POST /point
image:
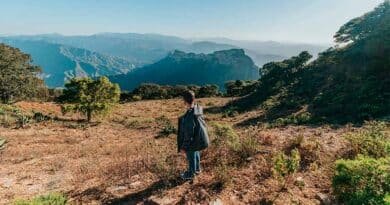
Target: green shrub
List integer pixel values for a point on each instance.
(225, 135)
(230, 112)
(40, 117)
(50, 199)
(362, 181)
(22, 120)
(164, 166)
(370, 141)
(167, 127)
(284, 165)
(249, 146)
(2, 143)
(222, 175)
(136, 123)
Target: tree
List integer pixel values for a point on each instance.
(363, 26)
(208, 91)
(18, 77)
(89, 96)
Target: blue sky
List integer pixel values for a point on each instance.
(312, 21)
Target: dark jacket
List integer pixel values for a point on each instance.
(189, 125)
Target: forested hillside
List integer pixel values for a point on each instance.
(349, 82)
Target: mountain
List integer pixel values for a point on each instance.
(272, 47)
(144, 49)
(60, 62)
(190, 68)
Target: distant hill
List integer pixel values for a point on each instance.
(190, 68)
(60, 62)
(144, 49)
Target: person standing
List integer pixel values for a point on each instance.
(192, 135)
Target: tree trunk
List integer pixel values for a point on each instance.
(89, 115)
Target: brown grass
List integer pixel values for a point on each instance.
(119, 159)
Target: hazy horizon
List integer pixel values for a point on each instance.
(301, 21)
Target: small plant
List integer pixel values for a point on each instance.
(370, 141)
(40, 117)
(249, 146)
(362, 181)
(22, 120)
(222, 175)
(2, 143)
(225, 135)
(230, 112)
(50, 199)
(167, 126)
(285, 165)
(165, 168)
(137, 123)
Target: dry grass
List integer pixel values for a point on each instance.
(120, 158)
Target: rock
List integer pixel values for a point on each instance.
(324, 199)
(135, 184)
(216, 202)
(203, 194)
(160, 201)
(116, 189)
(300, 182)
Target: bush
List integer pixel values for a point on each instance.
(50, 199)
(370, 141)
(165, 168)
(249, 146)
(89, 97)
(222, 175)
(22, 120)
(225, 135)
(285, 165)
(40, 117)
(362, 181)
(166, 125)
(230, 111)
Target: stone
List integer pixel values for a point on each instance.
(160, 201)
(216, 202)
(324, 199)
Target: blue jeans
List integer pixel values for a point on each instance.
(193, 158)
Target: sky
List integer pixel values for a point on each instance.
(310, 21)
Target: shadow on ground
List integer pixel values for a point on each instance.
(141, 196)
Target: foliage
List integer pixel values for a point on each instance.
(167, 127)
(50, 199)
(362, 27)
(284, 165)
(225, 135)
(23, 120)
(346, 83)
(240, 87)
(362, 181)
(2, 143)
(222, 175)
(370, 141)
(149, 91)
(249, 146)
(89, 96)
(189, 68)
(238, 149)
(230, 111)
(18, 77)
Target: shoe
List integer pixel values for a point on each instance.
(187, 176)
(198, 172)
